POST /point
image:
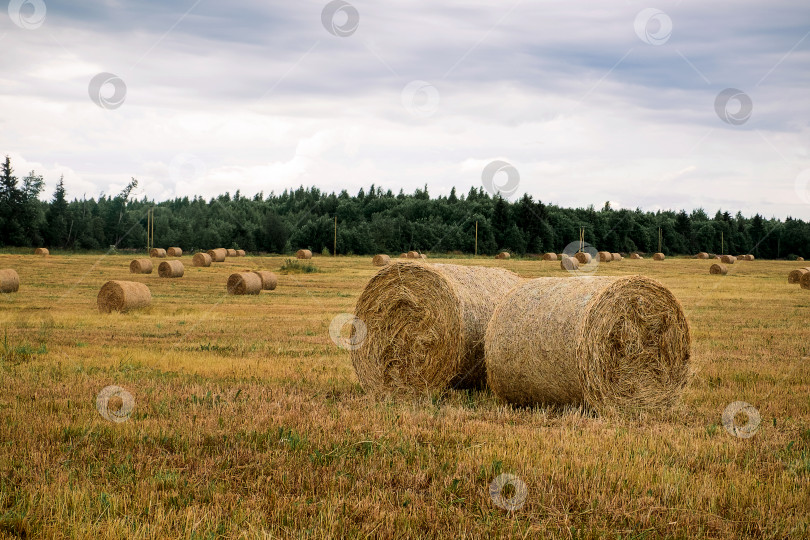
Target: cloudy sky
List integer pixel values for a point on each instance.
(588, 100)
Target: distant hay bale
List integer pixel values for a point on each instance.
(303, 254)
(240, 253)
(174, 252)
(403, 256)
(636, 256)
(413, 255)
(123, 296)
(610, 343)
(425, 326)
(795, 276)
(218, 255)
(702, 255)
(804, 281)
(617, 256)
(159, 253)
(659, 256)
(381, 260)
(42, 251)
(171, 269)
(140, 266)
(718, 269)
(230, 252)
(564, 255)
(9, 281)
(503, 255)
(728, 259)
(269, 279)
(605, 256)
(583, 257)
(800, 259)
(749, 257)
(549, 256)
(422, 256)
(202, 259)
(569, 263)
(244, 283)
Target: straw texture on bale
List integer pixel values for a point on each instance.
(218, 255)
(159, 253)
(583, 257)
(795, 276)
(303, 254)
(174, 252)
(42, 251)
(728, 259)
(241, 253)
(230, 252)
(617, 256)
(202, 259)
(381, 260)
(425, 326)
(659, 256)
(503, 255)
(171, 269)
(244, 283)
(123, 296)
(607, 342)
(9, 281)
(549, 256)
(269, 279)
(604, 256)
(804, 281)
(636, 256)
(141, 266)
(413, 254)
(569, 263)
(702, 255)
(718, 269)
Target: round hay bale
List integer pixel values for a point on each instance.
(303, 254)
(174, 252)
(244, 283)
(218, 255)
(422, 256)
(549, 256)
(659, 256)
(240, 253)
(800, 259)
(605, 256)
(230, 252)
(503, 255)
(636, 257)
(140, 266)
(9, 281)
(42, 251)
(564, 255)
(403, 256)
(202, 259)
(269, 279)
(804, 281)
(381, 260)
(702, 255)
(718, 269)
(749, 257)
(171, 269)
(728, 259)
(425, 326)
(617, 256)
(569, 263)
(413, 254)
(159, 253)
(606, 342)
(123, 296)
(795, 276)
(583, 257)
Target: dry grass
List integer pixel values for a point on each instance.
(249, 421)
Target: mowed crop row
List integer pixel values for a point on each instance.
(248, 418)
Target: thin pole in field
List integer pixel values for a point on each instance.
(476, 238)
(659, 239)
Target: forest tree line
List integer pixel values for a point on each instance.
(374, 221)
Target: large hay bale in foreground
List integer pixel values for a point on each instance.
(702, 255)
(425, 326)
(244, 283)
(569, 263)
(659, 256)
(230, 252)
(141, 266)
(606, 342)
(42, 251)
(728, 259)
(617, 257)
(202, 259)
(604, 256)
(804, 281)
(171, 269)
(583, 257)
(503, 255)
(549, 256)
(269, 279)
(218, 255)
(718, 269)
(9, 281)
(636, 257)
(123, 296)
(174, 252)
(303, 254)
(159, 253)
(381, 260)
(796, 275)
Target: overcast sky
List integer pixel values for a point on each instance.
(588, 100)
